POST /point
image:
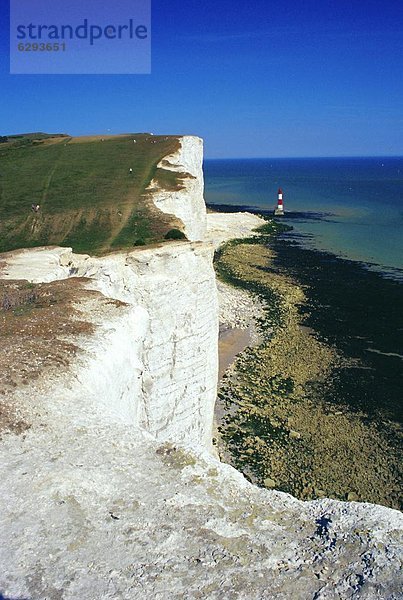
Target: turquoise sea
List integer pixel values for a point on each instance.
(352, 207)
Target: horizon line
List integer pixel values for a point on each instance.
(308, 156)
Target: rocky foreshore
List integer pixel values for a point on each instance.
(276, 426)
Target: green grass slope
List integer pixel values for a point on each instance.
(88, 198)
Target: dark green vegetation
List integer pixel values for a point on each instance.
(175, 234)
(87, 196)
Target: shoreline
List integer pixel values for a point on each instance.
(302, 239)
(278, 426)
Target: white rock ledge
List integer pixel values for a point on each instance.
(222, 227)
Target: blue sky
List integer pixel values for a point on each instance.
(291, 78)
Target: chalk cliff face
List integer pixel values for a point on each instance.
(177, 372)
(113, 491)
(186, 203)
(161, 376)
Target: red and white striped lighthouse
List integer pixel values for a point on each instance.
(279, 211)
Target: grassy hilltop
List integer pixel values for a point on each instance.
(88, 198)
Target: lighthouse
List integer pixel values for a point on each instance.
(279, 211)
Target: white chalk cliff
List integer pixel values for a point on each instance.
(114, 491)
(186, 203)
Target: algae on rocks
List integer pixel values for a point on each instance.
(276, 427)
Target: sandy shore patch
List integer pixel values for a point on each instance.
(231, 343)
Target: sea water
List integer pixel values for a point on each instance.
(352, 207)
